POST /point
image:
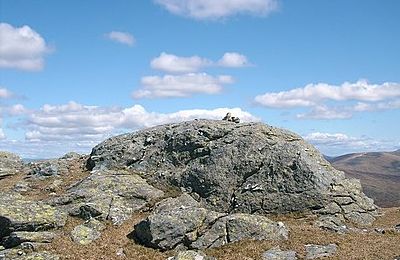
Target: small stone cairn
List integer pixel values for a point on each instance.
(230, 118)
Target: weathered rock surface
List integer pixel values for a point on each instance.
(20, 214)
(108, 195)
(182, 223)
(277, 254)
(88, 232)
(10, 164)
(247, 168)
(318, 251)
(191, 255)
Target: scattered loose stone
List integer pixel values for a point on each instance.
(22, 186)
(317, 251)
(120, 252)
(88, 232)
(277, 254)
(191, 255)
(380, 230)
(397, 227)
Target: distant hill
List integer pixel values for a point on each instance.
(379, 173)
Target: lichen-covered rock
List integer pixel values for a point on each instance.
(88, 232)
(182, 223)
(277, 254)
(109, 195)
(246, 168)
(19, 237)
(191, 255)
(10, 164)
(318, 251)
(20, 214)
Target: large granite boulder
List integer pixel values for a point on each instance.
(182, 223)
(10, 164)
(238, 168)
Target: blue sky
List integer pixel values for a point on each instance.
(74, 72)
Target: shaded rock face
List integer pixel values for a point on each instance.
(178, 223)
(108, 195)
(10, 164)
(246, 168)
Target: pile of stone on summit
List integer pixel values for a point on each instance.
(202, 183)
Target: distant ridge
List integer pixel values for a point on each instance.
(379, 173)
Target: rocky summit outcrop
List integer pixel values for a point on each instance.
(182, 223)
(238, 168)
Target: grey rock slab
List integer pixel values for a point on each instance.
(318, 251)
(191, 255)
(236, 168)
(175, 225)
(109, 195)
(277, 254)
(19, 214)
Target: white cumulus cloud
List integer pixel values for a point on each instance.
(340, 143)
(234, 60)
(369, 97)
(21, 48)
(121, 37)
(173, 64)
(215, 9)
(2, 135)
(181, 85)
(177, 64)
